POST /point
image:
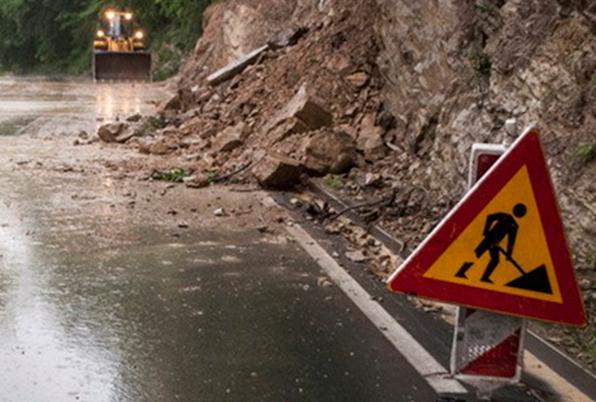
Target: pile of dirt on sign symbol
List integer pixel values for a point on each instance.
(384, 99)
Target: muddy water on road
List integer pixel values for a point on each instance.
(42, 106)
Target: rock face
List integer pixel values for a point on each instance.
(277, 171)
(235, 28)
(465, 70)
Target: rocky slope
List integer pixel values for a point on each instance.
(390, 96)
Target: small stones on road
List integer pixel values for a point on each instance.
(134, 118)
(196, 181)
(356, 256)
(324, 282)
(110, 132)
(219, 212)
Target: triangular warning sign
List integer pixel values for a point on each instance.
(502, 248)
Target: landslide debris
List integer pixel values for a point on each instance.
(387, 98)
(305, 101)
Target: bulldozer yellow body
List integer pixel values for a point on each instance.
(119, 49)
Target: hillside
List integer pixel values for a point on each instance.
(389, 97)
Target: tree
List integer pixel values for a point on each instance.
(56, 35)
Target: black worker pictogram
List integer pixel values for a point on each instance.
(498, 227)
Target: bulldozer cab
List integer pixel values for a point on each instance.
(119, 49)
(119, 26)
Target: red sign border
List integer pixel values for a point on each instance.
(409, 279)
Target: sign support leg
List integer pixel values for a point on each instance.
(487, 349)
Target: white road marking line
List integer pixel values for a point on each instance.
(406, 345)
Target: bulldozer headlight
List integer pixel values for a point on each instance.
(110, 14)
(101, 34)
(139, 35)
(128, 16)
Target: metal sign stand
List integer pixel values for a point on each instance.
(487, 349)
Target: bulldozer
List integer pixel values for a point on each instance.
(119, 49)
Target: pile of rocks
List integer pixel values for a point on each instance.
(307, 102)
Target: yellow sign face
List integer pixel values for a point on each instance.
(504, 248)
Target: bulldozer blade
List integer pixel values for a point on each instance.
(133, 66)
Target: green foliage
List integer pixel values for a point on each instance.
(333, 181)
(168, 61)
(481, 64)
(175, 175)
(586, 153)
(486, 8)
(56, 35)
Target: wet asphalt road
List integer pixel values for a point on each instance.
(98, 303)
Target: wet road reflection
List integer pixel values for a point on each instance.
(22, 101)
(99, 301)
(93, 310)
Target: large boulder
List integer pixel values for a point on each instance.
(230, 138)
(305, 110)
(330, 152)
(277, 171)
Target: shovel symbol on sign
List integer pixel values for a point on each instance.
(536, 279)
(497, 227)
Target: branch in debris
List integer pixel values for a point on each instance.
(379, 204)
(233, 173)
